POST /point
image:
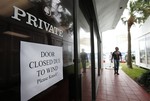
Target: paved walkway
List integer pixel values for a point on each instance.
(113, 87)
(119, 88)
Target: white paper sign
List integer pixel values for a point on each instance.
(41, 67)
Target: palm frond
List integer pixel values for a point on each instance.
(139, 10)
(142, 8)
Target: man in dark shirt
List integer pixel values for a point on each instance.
(84, 59)
(117, 56)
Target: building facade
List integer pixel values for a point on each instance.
(40, 47)
(143, 47)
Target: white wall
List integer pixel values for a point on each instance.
(140, 33)
(145, 28)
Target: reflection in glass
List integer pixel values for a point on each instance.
(142, 51)
(148, 48)
(36, 19)
(86, 77)
(55, 10)
(96, 54)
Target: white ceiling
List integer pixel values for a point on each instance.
(108, 16)
(109, 13)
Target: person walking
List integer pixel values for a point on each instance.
(117, 56)
(84, 59)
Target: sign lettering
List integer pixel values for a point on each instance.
(36, 22)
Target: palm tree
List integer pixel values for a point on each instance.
(139, 11)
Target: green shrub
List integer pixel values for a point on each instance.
(144, 79)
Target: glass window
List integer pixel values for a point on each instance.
(96, 54)
(85, 53)
(142, 51)
(40, 21)
(148, 48)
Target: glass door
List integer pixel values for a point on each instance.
(85, 57)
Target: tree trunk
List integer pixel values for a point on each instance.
(129, 57)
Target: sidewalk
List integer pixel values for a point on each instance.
(119, 88)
